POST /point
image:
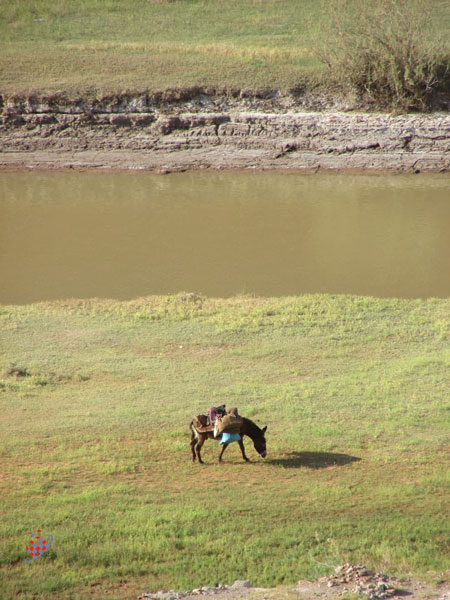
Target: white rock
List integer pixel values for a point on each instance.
(240, 583)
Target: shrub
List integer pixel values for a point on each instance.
(383, 49)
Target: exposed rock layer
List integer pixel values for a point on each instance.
(144, 133)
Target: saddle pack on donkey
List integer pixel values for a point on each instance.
(223, 420)
(225, 424)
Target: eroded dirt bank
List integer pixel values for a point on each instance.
(201, 130)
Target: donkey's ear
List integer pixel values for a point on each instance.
(264, 429)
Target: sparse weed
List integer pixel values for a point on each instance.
(383, 49)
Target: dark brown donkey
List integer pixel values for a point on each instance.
(247, 428)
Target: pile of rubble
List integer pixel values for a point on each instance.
(360, 580)
(173, 595)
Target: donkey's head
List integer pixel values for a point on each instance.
(259, 442)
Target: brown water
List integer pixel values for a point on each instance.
(125, 235)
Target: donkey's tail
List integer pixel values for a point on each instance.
(193, 434)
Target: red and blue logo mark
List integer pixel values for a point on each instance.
(38, 546)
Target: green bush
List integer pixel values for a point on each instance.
(386, 50)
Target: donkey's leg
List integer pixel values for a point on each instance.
(241, 446)
(201, 441)
(194, 440)
(224, 447)
(192, 444)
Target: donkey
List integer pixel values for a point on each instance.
(198, 438)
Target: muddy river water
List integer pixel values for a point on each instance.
(123, 235)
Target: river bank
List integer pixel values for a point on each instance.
(197, 128)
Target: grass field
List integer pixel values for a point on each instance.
(113, 45)
(96, 397)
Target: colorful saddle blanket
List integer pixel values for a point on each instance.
(216, 411)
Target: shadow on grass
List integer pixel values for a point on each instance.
(313, 460)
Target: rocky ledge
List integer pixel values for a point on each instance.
(136, 133)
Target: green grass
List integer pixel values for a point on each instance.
(95, 441)
(113, 45)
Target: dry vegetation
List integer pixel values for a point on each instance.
(382, 49)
